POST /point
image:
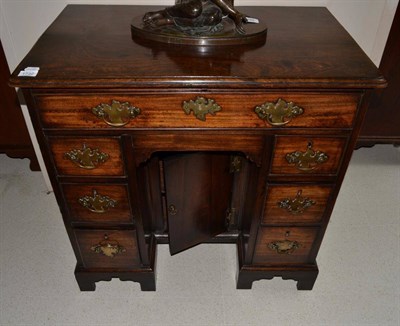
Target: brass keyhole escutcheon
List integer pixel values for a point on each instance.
(201, 106)
(172, 210)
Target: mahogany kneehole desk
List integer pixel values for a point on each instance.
(150, 143)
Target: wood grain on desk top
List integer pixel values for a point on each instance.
(91, 46)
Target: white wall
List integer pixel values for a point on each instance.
(23, 21)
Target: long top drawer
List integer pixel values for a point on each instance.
(197, 110)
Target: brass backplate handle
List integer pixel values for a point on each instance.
(278, 113)
(116, 114)
(107, 247)
(201, 106)
(86, 158)
(284, 247)
(97, 203)
(308, 160)
(296, 205)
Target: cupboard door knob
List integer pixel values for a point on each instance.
(117, 114)
(308, 160)
(86, 158)
(107, 247)
(201, 107)
(97, 203)
(278, 113)
(172, 210)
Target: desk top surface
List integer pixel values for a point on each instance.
(90, 46)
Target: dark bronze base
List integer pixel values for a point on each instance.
(255, 34)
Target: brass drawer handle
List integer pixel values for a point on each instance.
(86, 158)
(201, 107)
(279, 113)
(97, 203)
(284, 247)
(308, 160)
(107, 247)
(296, 205)
(117, 114)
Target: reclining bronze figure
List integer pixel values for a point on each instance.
(197, 17)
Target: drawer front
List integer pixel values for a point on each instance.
(198, 110)
(307, 155)
(87, 156)
(108, 248)
(295, 204)
(98, 203)
(251, 145)
(284, 245)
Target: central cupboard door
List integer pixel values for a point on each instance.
(198, 192)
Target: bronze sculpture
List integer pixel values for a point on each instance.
(197, 17)
(200, 23)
